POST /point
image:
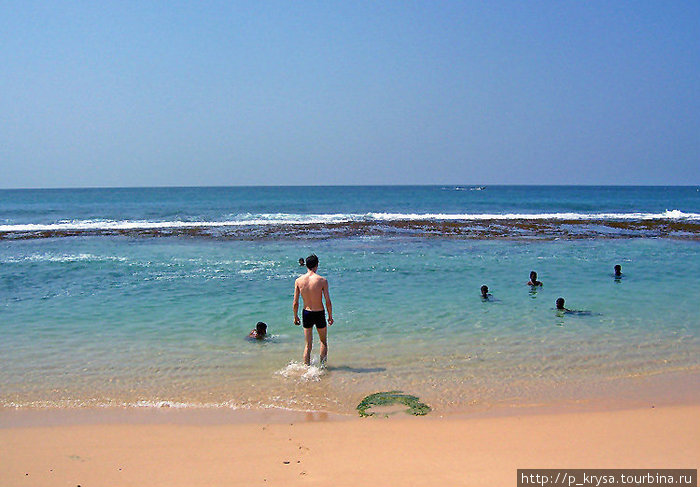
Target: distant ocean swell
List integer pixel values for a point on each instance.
(673, 223)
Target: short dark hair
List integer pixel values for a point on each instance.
(617, 267)
(312, 261)
(560, 302)
(484, 289)
(261, 327)
(533, 274)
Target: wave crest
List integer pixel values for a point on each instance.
(271, 219)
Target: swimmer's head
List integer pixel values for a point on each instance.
(533, 276)
(618, 270)
(560, 303)
(261, 329)
(312, 262)
(484, 290)
(301, 261)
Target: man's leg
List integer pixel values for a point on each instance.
(322, 334)
(309, 336)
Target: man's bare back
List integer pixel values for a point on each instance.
(313, 289)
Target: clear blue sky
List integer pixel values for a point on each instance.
(249, 93)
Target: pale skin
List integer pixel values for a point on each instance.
(314, 291)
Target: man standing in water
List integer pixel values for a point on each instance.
(313, 289)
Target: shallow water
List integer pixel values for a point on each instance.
(144, 321)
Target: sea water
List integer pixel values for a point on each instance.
(144, 297)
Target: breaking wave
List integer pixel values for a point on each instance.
(270, 219)
(674, 223)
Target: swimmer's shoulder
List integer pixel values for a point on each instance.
(316, 279)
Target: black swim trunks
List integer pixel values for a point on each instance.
(311, 318)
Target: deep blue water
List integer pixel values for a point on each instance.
(221, 204)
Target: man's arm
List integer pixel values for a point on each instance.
(295, 305)
(329, 306)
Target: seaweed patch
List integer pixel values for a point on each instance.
(390, 398)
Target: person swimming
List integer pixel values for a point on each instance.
(260, 331)
(301, 261)
(485, 292)
(560, 307)
(533, 279)
(618, 270)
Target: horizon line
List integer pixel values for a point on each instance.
(60, 188)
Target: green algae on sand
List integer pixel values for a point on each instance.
(390, 398)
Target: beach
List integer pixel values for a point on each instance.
(125, 358)
(349, 243)
(318, 450)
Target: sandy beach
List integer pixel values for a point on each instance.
(320, 450)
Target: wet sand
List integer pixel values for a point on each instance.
(267, 448)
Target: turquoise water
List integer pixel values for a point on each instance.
(109, 320)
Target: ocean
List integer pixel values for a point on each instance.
(144, 297)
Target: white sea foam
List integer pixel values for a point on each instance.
(252, 266)
(164, 404)
(276, 402)
(303, 373)
(47, 257)
(668, 214)
(114, 225)
(267, 219)
(263, 263)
